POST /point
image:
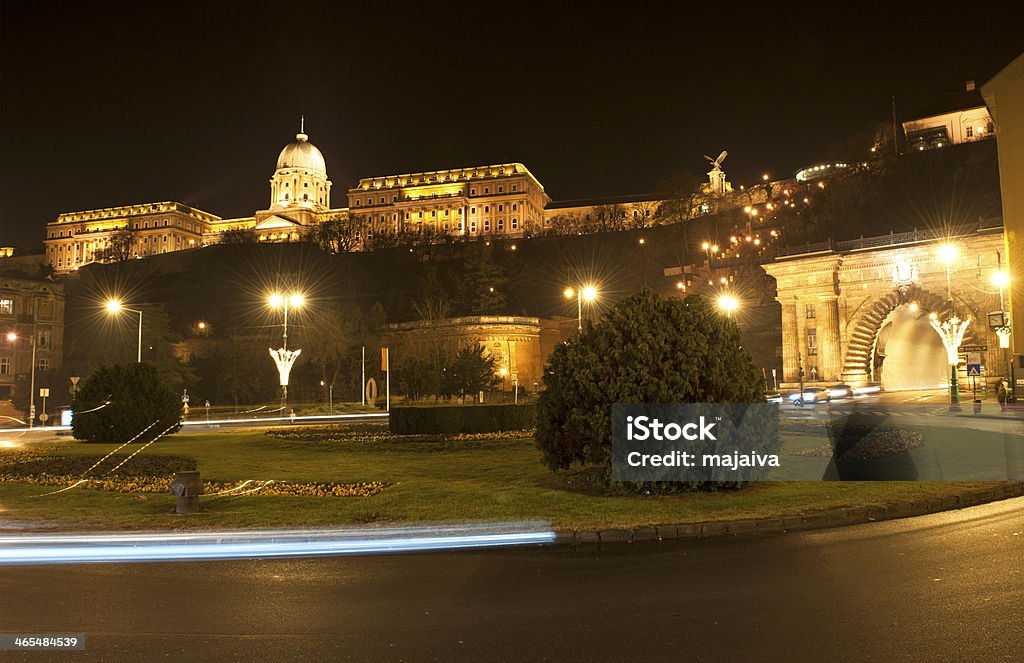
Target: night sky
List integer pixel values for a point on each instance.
(115, 103)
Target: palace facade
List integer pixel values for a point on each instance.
(500, 200)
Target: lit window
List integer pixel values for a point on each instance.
(43, 365)
(6, 306)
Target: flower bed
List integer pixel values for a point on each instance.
(153, 474)
(380, 434)
(874, 445)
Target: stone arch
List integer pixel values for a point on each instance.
(864, 329)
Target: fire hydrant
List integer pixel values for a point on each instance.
(186, 487)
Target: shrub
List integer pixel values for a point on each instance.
(118, 402)
(647, 349)
(456, 420)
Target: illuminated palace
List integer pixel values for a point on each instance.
(503, 200)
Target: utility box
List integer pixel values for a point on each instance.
(186, 488)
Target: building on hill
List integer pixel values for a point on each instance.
(961, 118)
(501, 200)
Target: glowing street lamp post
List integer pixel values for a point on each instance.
(952, 334)
(588, 293)
(728, 303)
(12, 337)
(952, 330)
(114, 307)
(284, 358)
(1002, 281)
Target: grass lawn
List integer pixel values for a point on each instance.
(432, 482)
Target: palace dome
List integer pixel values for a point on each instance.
(302, 154)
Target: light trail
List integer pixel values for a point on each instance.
(265, 544)
(203, 422)
(120, 447)
(77, 483)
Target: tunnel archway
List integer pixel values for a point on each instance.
(908, 353)
(893, 333)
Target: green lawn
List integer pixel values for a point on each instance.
(432, 482)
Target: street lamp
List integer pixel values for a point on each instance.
(728, 303)
(12, 337)
(952, 334)
(948, 254)
(283, 357)
(114, 307)
(1002, 281)
(586, 293)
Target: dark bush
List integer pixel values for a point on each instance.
(455, 419)
(118, 402)
(647, 349)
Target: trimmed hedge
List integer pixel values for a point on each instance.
(457, 420)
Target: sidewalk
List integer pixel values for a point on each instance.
(819, 520)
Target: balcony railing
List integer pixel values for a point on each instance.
(892, 239)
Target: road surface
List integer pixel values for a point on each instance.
(945, 587)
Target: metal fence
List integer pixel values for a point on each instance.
(892, 239)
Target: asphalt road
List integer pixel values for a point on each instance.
(946, 587)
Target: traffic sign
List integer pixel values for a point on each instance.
(973, 369)
(973, 348)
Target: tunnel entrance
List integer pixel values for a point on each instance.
(908, 353)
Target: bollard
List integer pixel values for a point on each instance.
(186, 487)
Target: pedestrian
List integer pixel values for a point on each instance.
(1001, 395)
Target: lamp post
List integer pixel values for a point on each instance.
(283, 357)
(728, 303)
(952, 333)
(12, 338)
(586, 293)
(1002, 281)
(114, 307)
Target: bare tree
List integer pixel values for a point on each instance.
(120, 247)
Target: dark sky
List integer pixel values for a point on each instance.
(113, 103)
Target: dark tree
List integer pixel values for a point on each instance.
(647, 349)
(483, 283)
(337, 235)
(238, 236)
(120, 247)
(121, 401)
(473, 370)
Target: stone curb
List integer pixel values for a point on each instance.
(821, 519)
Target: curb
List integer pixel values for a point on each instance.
(840, 517)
